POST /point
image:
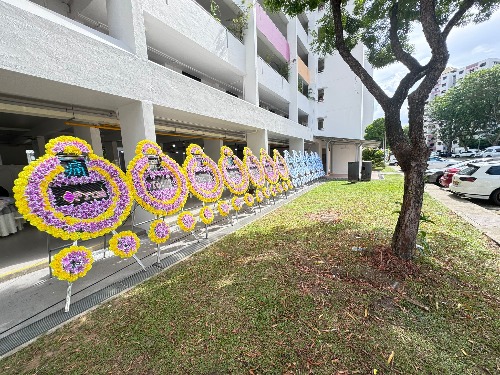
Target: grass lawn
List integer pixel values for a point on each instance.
(288, 294)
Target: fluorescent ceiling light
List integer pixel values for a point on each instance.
(15, 129)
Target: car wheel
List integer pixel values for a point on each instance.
(438, 181)
(495, 197)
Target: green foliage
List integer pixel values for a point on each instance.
(375, 156)
(214, 10)
(376, 130)
(239, 24)
(470, 109)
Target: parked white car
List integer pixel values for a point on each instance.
(470, 153)
(490, 152)
(478, 180)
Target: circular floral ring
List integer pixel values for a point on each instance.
(249, 199)
(254, 167)
(207, 215)
(266, 192)
(159, 232)
(270, 170)
(124, 244)
(71, 193)
(259, 196)
(203, 176)
(223, 208)
(234, 173)
(71, 263)
(279, 188)
(290, 185)
(186, 221)
(158, 183)
(281, 165)
(237, 203)
(272, 190)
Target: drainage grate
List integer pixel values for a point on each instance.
(43, 325)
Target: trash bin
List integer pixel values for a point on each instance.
(366, 171)
(353, 171)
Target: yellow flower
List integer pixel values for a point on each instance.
(124, 244)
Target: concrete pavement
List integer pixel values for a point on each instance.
(486, 221)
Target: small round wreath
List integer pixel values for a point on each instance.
(203, 175)
(254, 167)
(270, 170)
(259, 196)
(290, 185)
(158, 183)
(186, 221)
(237, 203)
(234, 173)
(249, 199)
(279, 188)
(272, 190)
(124, 244)
(159, 232)
(223, 208)
(71, 263)
(266, 192)
(207, 215)
(71, 193)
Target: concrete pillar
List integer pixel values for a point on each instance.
(92, 136)
(40, 144)
(329, 158)
(250, 81)
(126, 23)
(318, 147)
(212, 148)
(137, 124)
(257, 140)
(296, 144)
(293, 108)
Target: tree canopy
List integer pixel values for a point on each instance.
(376, 130)
(471, 109)
(384, 27)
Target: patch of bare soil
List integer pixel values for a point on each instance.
(329, 217)
(382, 259)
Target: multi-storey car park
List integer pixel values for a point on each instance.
(221, 72)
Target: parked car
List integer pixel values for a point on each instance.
(445, 154)
(470, 153)
(393, 160)
(490, 152)
(448, 173)
(436, 162)
(478, 180)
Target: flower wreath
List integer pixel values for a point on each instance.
(207, 215)
(281, 165)
(186, 221)
(279, 188)
(284, 185)
(266, 192)
(203, 176)
(158, 183)
(71, 263)
(237, 203)
(249, 199)
(270, 170)
(272, 190)
(233, 170)
(223, 207)
(290, 185)
(254, 167)
(259, 196)
(71, 193)
(159, 232)
(124, 244)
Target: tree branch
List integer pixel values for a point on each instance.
(408, 60)
(354, 64)
(464, 7)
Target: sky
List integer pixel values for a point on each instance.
(466, 45)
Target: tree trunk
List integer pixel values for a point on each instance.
(404, 239)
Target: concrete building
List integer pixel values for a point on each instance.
(179, 71)
(449, 78)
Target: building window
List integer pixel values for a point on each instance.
(482, 64)
(461, 72)
(321, 95)
(321, 65)
(191, 76)
(231, 93)
(320, 123)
